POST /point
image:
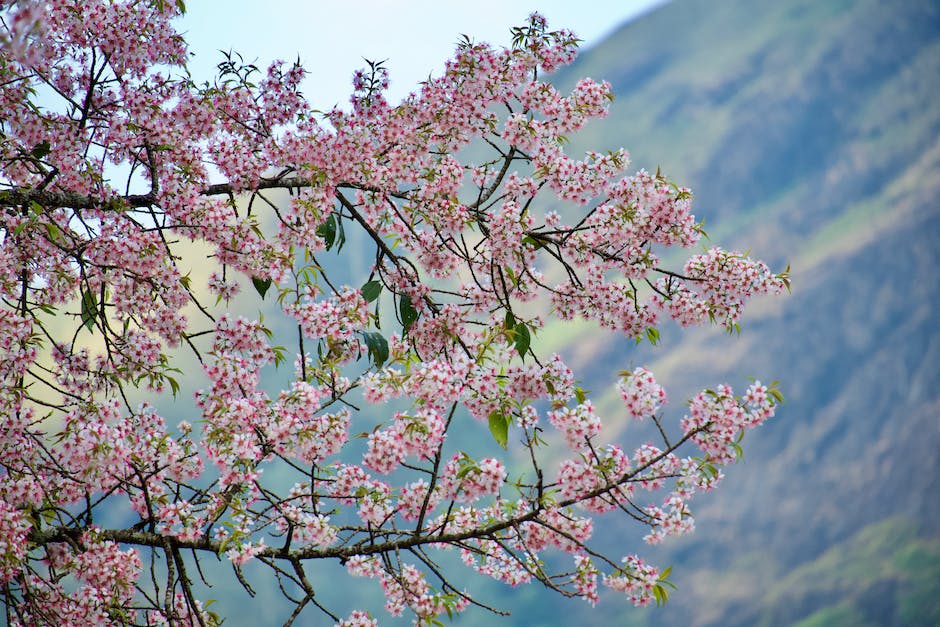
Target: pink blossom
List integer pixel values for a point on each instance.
(134, 198)
(13, 530)
(640, 392)
(358, 618)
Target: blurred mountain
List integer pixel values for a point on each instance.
(810, 133)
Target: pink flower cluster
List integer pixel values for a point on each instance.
(466, 480)
(90, 579)
(107, 570)
(635, 579)
(354, 485)
(337, 318)
(596, 474)
(420, 435)
(559, 529)
(722, 282)
(13, 530)
(640, 392)
(490, 558)
(244, 552)
(718, 418)
(405, 588)
(578, 424)
(119, 175)
(416, 497)
(358, 618)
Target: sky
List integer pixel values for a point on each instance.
(414, 36)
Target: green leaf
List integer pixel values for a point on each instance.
(341, 235)
(523, 339)
(174, 385)
(580, 395)
(89, 309)
(327, 231)
(499, 427)
(531, 241)
(279, 355)
(465, 465)
(41, 149)
(261, 285)
(774, 391)
(407, 312)
(371, 290)
(55, 234)
(652, 334)
(377, 346)
(660, 594)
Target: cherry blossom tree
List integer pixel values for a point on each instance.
(119, 173)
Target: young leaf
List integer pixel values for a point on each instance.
(89, 309)
(327, 230)
(340, 235)
(465, 466)
(371, 290)
(580, 395)
(528, 240)
(55, 234)
(174, 385)
(41, 149)
(499, 427)
(261, 285)
(377, 346)
(522, 338)
(407, 312)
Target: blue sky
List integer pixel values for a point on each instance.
(415, 36)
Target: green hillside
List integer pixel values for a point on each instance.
(883, 562)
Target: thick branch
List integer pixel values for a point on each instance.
(19, 196)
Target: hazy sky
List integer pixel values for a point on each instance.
(415, 36)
